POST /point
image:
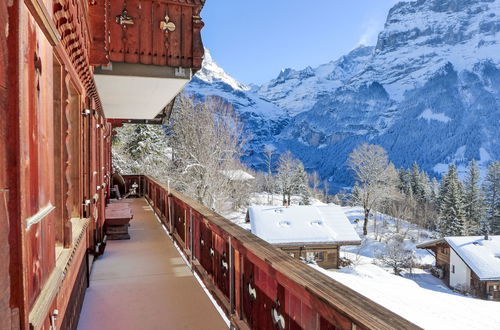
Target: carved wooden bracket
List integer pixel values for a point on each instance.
(123, 19)
(167, 26)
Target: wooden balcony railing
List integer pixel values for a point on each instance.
(257, 285)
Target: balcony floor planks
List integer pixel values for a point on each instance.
(143, 283)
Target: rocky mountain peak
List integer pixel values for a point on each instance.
(211, 72)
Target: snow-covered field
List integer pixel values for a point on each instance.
(419, 297)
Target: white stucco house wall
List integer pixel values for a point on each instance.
(459, 272)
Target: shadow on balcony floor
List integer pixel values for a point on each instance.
(143, 283)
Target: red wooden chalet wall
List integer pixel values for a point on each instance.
(5, 279)
(53, 159)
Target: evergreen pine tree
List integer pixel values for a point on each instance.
(434, 190)
(146, 149)
(404, 181)
(492, 197)
(451, 220)
(302, 184)
(356, 195)
(416, 186)
(473, 201)
(425, 187)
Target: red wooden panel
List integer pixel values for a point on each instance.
(186, 26)
(206, 260)
(179, 220)
(257, 311)
(187, 227)
(248, 300)
(221, 264)
(132, 35)
(146, 33)
(196, 223)
(173, 38)
(159, 49)
(116, 43)
(293, 308)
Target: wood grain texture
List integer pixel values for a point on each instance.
(144, 41)
(5, 310)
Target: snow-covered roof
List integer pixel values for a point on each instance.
(482, 256)
(238, 175)
(311, 224)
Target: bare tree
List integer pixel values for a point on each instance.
(370, 165)
(205, 153)
(292, 178)
(314, 181)
(396, 255)
(285, 176)
(268, 159)
(326, 191)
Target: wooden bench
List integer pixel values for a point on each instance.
(118, 216)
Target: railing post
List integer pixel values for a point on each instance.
(191, 245)
(231, 277)
(171, 230)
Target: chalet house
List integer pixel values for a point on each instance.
(238, 175)
(469, 263)
(310, 232)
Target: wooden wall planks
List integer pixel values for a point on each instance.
(5, 284)
(145, 42)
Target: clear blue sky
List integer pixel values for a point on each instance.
(254, 39)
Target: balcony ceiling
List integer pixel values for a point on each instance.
(137, 91)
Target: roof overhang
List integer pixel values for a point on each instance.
(138, 91)
(431, 244)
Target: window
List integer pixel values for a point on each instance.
(315, 256)
(453, 269)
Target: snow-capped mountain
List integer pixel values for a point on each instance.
(298, 91)
(429, 91)
(261, 118)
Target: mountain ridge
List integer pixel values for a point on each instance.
(434, 76)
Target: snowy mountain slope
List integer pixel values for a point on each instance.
(261, 119)
(298, 91)
(428, 92)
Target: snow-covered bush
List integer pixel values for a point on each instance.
(396, 255)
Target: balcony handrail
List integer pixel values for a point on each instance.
(330, 299)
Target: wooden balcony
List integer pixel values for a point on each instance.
(143, 283)
(145, 52)
(256, 285)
